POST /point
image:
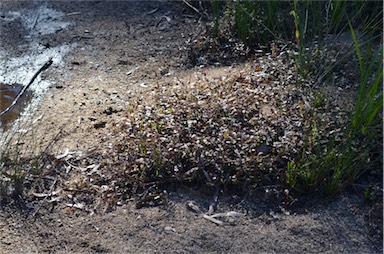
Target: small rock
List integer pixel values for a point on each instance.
(99, 125)
(169, 229)
(264, 149)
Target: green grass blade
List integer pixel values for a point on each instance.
(357, 48)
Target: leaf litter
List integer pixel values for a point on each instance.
(236, 133)
(254, 120)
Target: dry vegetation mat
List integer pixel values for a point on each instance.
(232, 123)
(234, 133)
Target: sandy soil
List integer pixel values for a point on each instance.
(117, 48)
(339, 226)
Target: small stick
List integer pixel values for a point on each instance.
(73, 13)
(213, 205)
(191, 6)
(37, 18)
(210, 218)
(16, 100)
(45, 198)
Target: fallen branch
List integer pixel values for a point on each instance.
(16, 100)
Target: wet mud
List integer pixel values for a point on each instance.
(8, 93)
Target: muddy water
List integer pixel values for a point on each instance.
(7, 94)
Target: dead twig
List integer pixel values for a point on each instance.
(36, 19)
(231, 215)
(213, 205)
(192, 7)
(152, 11)
(16, 100)
(45, 197)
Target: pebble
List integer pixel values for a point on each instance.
(168, 229)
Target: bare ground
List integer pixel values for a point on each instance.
(122, 47)
(339, 226)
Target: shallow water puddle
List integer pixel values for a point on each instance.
(7, 94)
